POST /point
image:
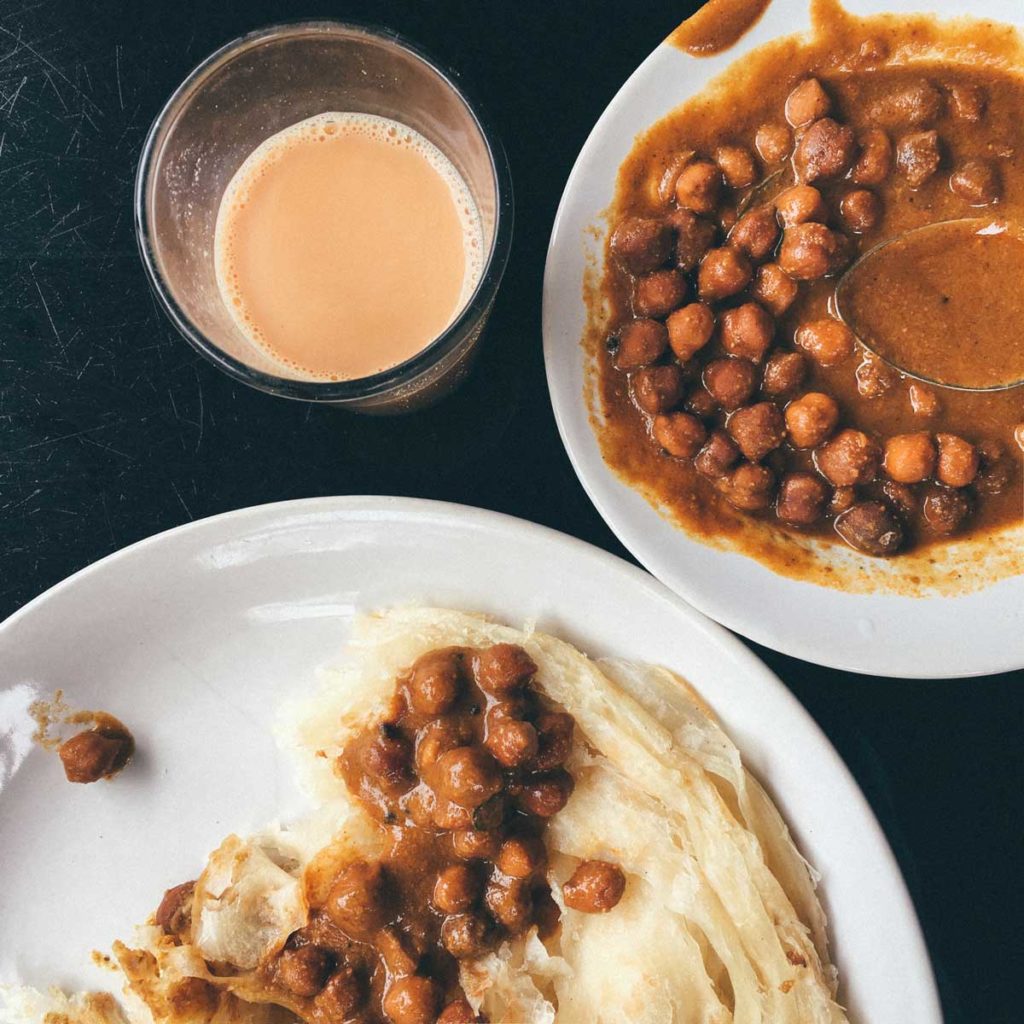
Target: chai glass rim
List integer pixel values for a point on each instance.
(316, 390)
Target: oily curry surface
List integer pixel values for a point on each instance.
(869, 68)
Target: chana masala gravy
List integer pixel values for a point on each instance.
(728, 389)
(462, 774)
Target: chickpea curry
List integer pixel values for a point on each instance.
(729, 386)
(462, 775)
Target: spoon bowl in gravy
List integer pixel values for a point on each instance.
(941, 303)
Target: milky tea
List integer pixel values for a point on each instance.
(345, 244)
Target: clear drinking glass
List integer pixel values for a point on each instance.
(249, 90)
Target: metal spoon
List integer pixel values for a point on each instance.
(931, 297)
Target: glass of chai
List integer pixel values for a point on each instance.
(324, 216)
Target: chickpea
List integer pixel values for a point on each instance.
(174, 915)
(958, 461)
(502, 710)
(799, 204)
(774, 142)
(811, 250)
(994, 472)
(457, 888)
(757, 429)
(304, 970)
(399, 950)
(825, 150)
(658, 389)
(783, 373)
(976, 182)
(910, 458)
(419, 805)
(94, 754)
(842, 499)
(811, 418)
(439, 736)
(945, 510)
(875, 160)
(851, 457)
(679, 434)
(490, 814)
(444, 814)
(435, 681)
(641, 244)
(870, 527)
(756, 233)
(717, 456)
(747, 332)
(723, 272)
(475, 844)
(918, 156)
(748, 487)
(465, 936)
(522, 857)
(555, 730)
(511, 742)
(699, 186)
(503, 668)
(388, 761)
(731, 382)
(341, 997)
(774, 289)
(693, 237)
(596, 886)
(639, 343)
(510, 903)
(737, 165)
(467, 776)
(412, 1000)
(874, 377)
(900, 496)
(701, 403)
(459, 1012)
(358, 900)
(968, 101)
(690, 329)
(547, 795)
(449, 816)
(727, 218)
(906, 104)
(860, 210)
(658, 293)
(828, 342)
(802, 499)
(806, 103)
(923, 400)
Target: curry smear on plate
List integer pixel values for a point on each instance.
(717, 26)
(867, 67)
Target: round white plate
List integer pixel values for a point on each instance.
(195, 636)
(879, 633)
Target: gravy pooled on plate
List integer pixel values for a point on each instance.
(729, 387)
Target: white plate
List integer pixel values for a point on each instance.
(193, 637)
(880, 633)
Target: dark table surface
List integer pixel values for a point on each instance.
(112, 428)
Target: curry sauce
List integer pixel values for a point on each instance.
(895, 79)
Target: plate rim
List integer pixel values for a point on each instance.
(600, 481)
(452, 514)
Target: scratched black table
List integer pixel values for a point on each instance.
(112, 429)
